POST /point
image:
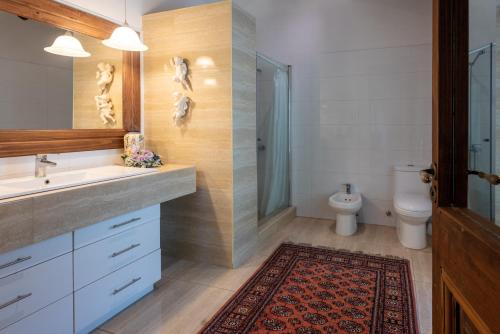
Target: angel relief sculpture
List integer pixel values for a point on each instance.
(181, 72)
(181, 107)
(104, 76)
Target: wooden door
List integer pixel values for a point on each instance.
(466, 246)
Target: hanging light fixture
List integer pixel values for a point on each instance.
(67, 45)
(125, 38)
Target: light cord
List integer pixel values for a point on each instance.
(125, 11)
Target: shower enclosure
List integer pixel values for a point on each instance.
(482, 128)
(273, 136)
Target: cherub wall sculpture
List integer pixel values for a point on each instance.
(181, 72)
(104, 76)
(181, 106)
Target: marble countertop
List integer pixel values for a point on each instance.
(26, 220)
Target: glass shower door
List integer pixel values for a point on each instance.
(273, 157)
(481, 194)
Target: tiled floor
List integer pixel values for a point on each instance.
(190, 293)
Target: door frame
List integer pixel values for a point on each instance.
(466, 247)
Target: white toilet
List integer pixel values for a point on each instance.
(346, 205)
(413, 206)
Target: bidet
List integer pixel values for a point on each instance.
(346, 206)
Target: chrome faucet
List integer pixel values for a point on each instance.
(41, 164)
(347, 188)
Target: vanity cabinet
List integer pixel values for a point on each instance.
(116, 263)
(74, 282)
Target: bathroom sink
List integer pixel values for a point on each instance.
(31, 185)
(346, 203)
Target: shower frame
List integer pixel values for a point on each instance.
(479, 52)
(289, 128)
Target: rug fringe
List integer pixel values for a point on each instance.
(389, 256)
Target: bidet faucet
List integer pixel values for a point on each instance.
(41, 164)
(347, 188)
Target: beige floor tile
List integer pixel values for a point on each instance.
(208, 274)
(422, 266)
(191, 292)
(100, 331)
(176, 307)
(424, 306)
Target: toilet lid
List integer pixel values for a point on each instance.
(413, 202)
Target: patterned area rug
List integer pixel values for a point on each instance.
(309, 290)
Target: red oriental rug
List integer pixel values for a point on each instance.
(309, 290)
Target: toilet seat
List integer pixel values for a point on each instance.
(413, 205)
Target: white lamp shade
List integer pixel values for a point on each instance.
(126, 39)
(67, 45)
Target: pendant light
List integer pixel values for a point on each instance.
(67, 45)
(125, 38)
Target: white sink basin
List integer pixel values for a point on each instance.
(31, 185)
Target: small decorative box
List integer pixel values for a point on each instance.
(133, 142)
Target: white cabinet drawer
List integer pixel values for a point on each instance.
(99, 231)
(99, 301)
(29, 256)
(28, 291)
(101, 258)
(56, 318)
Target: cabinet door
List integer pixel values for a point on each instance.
(99, 301)
(26, 257)
(56, 318)
(101, 258)
(93, 233)
(30, 290)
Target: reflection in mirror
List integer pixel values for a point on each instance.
(97, 86)
(44, 91)
(484, 71)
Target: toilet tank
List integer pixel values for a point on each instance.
(407, 180)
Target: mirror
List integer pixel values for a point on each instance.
(44, 91)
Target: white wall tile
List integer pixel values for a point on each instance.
(337, 160)
(305, 111)
(301, 135)
(377, 61)
(339, 137)
(361, 94)
(302, 159)
(374, 212)
(402, 111)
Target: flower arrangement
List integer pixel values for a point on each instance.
(142, 159)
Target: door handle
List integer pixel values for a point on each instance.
(429, 174)
(492, 179)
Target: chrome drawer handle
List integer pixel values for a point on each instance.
(15, 300)
(115, 254)
(125, 223)
(16, 261)
(135, 280)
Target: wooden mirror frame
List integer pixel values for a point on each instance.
(29, 142)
